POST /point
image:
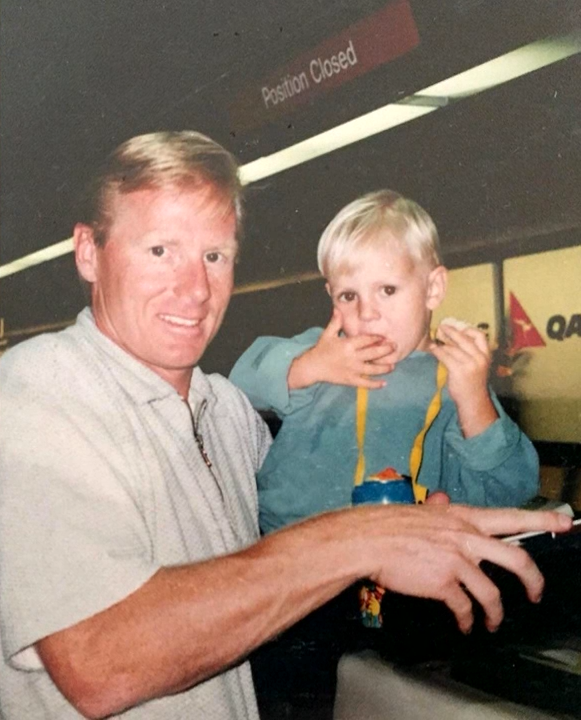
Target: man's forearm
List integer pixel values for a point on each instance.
(188, 623)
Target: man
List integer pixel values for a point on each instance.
(132, 575)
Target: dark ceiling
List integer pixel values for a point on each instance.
(499, 172)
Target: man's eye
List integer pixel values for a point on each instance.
(212, 257)
(388, 289)
(158, 250)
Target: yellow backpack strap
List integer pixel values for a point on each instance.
(360, 416)
(417, 452)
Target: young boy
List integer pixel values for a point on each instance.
(369, 392)
(373, 390)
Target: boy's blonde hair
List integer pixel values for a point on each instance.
(372, 220)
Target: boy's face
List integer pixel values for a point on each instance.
(384, 292)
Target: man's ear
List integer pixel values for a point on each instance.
(437, 284)
(85, 252)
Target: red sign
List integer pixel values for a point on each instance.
(524, 333)
(371, 42)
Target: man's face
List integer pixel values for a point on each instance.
(163, 280)
(385, 293)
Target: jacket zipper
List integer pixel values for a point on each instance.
(198, 436)
(200, 443)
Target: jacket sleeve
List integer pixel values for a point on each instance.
(497, 468)
(262, 372)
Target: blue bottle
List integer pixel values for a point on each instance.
(386, 487)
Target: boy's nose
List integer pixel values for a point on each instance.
(368, 310)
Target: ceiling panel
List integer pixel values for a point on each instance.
(79, 77)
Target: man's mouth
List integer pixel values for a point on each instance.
(179, 321)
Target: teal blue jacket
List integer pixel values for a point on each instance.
(311, 464)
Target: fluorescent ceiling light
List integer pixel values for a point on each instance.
(482, 77)
(36, 258)
(276, 283)
(507, 67)
(340, 136)
(471, 82)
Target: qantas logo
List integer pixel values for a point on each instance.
(525, 334)
(559, 328)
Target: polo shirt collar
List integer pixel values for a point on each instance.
(144, 385)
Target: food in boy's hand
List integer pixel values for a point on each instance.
(452, 322)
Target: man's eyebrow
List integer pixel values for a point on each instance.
(225, 245)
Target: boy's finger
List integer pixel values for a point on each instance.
(441, 353)
(479, 339)
(376, 368)
(373, 353)
(373, 341)
(365, 381)
(449, 335)
(470, 340)
(335, 324)
(447, 354)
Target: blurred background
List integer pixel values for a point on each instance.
(470, 107)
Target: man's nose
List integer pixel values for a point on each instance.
(191, 281)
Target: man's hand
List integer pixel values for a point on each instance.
(161, 639)
(342, 360)
(467, 357)
(434, 551)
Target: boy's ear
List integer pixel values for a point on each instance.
(328, 289)
(85, 252)
(437, 284)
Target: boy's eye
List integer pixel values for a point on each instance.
(388, 289)
(347, 296)
(158, 250)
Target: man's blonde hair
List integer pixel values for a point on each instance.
(159, 160)
(373, 220)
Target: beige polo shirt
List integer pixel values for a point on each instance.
(101, 485)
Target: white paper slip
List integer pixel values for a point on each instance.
(515, 539)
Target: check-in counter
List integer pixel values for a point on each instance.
(369, 688)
